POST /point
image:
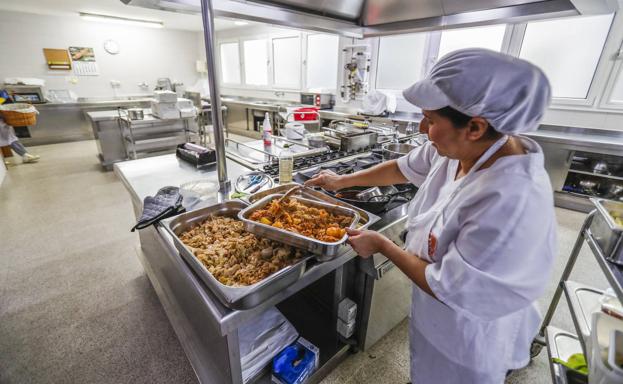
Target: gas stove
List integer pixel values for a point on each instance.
(313, 161)
(404, 192)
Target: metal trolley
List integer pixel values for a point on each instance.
(605, 240)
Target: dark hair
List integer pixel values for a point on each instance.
(460, 120)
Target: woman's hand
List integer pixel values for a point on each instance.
(366, 243)
(326, 179)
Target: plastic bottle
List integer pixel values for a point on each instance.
(286, 165)
(267, 131)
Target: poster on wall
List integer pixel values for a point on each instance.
(83, 59)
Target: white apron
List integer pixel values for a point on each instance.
(448, 345)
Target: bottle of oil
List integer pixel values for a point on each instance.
(286, 163)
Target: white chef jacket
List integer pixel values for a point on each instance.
(491, 248)
(7, 134)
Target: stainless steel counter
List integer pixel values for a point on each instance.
(207, 330)
(64, 122)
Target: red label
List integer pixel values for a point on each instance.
(432, 244)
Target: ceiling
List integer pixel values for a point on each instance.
(71, 8)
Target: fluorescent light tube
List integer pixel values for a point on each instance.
(121, 20)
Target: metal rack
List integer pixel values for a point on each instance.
(583, 300)
(152, 134)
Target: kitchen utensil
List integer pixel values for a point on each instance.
(232, 297)
(324, 250)
(607, 233)
(295, 131)
(365, 218)
(316, 141)
(290, 192)
(601, 167)
(260, 185)
(369, 193)
(374, 204)
(396, 150)
(135, 113)
(246, 183)
(615, 191)
(588, 186)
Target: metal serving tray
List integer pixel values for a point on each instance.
(323, 250)
(366, 218)
(232, 297)
(606, 232)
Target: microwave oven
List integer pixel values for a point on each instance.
(31, 94)
(319, 100)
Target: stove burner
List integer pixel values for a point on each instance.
(303, 163)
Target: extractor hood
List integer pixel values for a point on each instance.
(363, 18)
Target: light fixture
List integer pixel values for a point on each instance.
(121, 20)
(240, 23)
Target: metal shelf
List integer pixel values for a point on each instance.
(561, 345)
(596, 174)
(583, 300)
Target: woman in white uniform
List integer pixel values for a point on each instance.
(8, 138)
(482, 231)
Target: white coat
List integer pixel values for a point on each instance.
(491, 240)
(7, 134)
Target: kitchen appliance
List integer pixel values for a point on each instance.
(165, 111)
(32, 94)
(186, 107)
(319, 100)
(164, 84)
(165, 96)
(135, 113)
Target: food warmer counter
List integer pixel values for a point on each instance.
(207, 330)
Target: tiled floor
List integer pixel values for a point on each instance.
(76, 307)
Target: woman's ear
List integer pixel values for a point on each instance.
(477, 128)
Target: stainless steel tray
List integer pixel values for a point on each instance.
(366, 218)
(606, 232)
(232, 297)
(323, 250)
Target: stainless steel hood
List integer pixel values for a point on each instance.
(363, 18)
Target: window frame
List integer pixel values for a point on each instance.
(597, 82)
(613, 66)
(305, 52)
(267, 42)
(273, 85)
(220, 67)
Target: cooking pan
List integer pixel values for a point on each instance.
(374, 204)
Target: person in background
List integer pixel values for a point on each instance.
(7, 137)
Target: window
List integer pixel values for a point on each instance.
(568, 51)
(617, 90)
(322, 55)
(230, 63)
(489, 37)
(287, 62)
(255, 62)
(401, 60)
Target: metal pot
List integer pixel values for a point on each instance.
(396, 150)
(135, 113)
(316, 141)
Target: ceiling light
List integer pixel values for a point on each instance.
(121, 20)
(240, 23)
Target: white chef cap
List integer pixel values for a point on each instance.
(510, 93)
